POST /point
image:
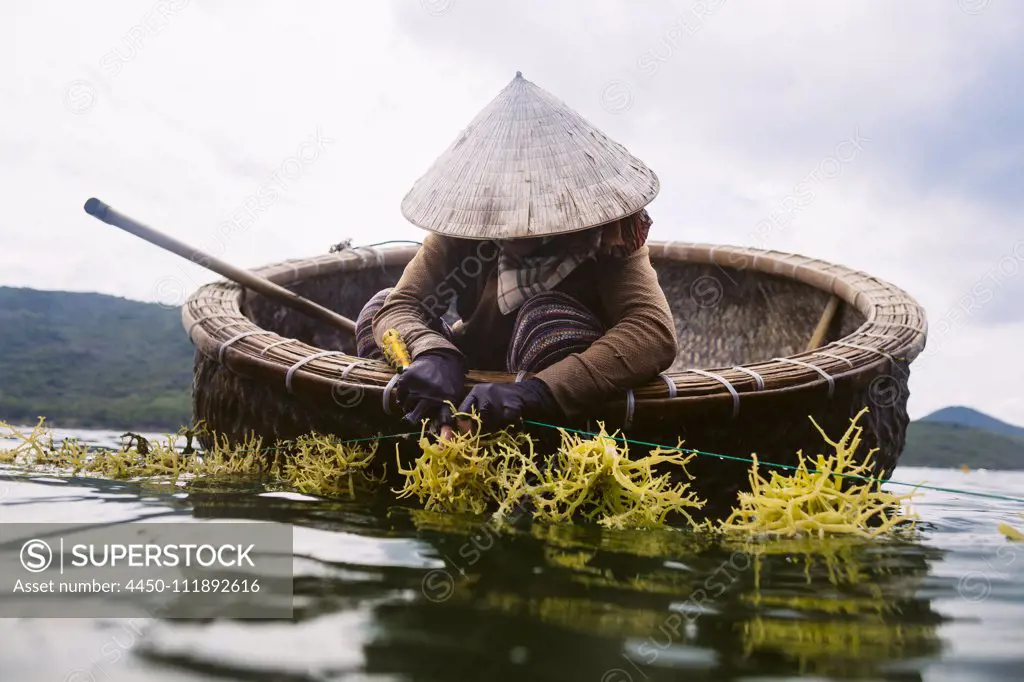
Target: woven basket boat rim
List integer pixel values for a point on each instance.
(895, 328)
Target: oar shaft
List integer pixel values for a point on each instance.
(824, 323)
(102, 211)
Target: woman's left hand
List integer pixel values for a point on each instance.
(500, 405)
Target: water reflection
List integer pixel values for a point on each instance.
(840, 606)
(399, 591)
(647, 601)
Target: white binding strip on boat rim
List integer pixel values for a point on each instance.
(200, 320)
(832, 284)
(901, 325)
(378, 256)
(344, 377)
(238, 337)
(387, 393)
(819, 370)
(275, 345)
(725, 382)
(630, 407)
(300, 363)
(892, 359)
(218, 330)
(351, 366)
(757, 377)
(806, 261)
(848, 361)
(865, 348)
(670, 382)
(873, 335)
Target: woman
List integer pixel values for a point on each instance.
(538, 245)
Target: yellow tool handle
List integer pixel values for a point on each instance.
(397, 353)
(395, 349)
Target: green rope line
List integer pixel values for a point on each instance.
(748, 460)
(381, 437)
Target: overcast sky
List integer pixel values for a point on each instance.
(183, 112)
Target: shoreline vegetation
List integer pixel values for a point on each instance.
(94, 361)
(91, 360)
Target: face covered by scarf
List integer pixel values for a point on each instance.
(522, 275)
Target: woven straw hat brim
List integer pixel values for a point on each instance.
(528, 166)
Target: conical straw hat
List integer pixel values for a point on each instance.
(528, 166)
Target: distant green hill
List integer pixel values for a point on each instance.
(937, 444)
(965, 416)
(92, 360)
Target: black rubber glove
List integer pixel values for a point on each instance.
(433, 377)
(502, 404)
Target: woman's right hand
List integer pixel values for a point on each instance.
(434, 378)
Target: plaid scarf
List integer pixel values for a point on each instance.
(521, 277)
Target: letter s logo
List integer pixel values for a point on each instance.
(36, 556)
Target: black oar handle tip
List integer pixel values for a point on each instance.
(96, 208)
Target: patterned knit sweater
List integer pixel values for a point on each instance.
(639, 341)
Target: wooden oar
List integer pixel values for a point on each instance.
(824, 323)
(98, 209)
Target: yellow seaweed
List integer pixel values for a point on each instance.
(469, 472)
(593, 478)
(833, 498)
(319, 466)
(1010, 532)
(315, 465)
(596, 478)
(590, 477)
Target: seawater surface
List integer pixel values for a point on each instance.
(390, 592)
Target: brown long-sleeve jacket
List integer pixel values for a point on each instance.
(639, 341)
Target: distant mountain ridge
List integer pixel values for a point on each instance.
(942, 444)
(82, 359)
(966, 416)
(962, 436)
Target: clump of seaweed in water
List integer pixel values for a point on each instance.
(838, 496)
(316, 465)
(137, 457)
(593, 478)
(596, 478)
(468, 472)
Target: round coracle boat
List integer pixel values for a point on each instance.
(766, 342)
